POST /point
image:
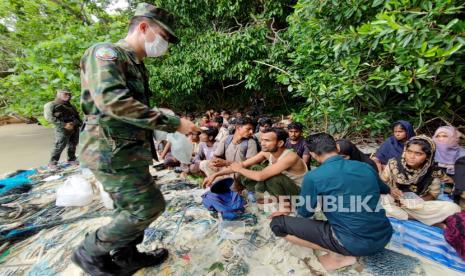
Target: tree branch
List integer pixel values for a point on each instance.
(232, 85)
(277, 68)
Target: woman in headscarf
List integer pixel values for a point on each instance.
(394, 145)
(415, 172)
(349, 151)
(448, 150)
(447, 155)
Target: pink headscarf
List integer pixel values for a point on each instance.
(447, 152)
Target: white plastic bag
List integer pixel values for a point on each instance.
(181, 147)
(76, 191)
(160, 135)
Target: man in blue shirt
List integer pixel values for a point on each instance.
(348, 192)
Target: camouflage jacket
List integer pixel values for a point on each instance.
(115, 99)
(59, 113)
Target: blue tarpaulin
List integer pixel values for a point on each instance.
(426, 241)
(16, 180)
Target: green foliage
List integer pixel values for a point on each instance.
(214, 66)
(49, 38)
(347, 66)
(362, 63)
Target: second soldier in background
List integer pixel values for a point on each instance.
(65, 117)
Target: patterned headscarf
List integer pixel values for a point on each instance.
(415, 180)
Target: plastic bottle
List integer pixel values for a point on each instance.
(251, 197)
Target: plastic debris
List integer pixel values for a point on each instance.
(15, 180)
(181, 147)
(40, 240)
(40, 269)
(52, 178)
(231, 230)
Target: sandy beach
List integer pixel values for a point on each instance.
(24, 146)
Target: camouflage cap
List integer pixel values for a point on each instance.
(160, 16)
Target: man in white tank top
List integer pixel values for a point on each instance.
(282, 176)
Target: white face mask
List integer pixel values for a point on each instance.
(156, 48)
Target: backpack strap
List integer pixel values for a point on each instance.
(227, 142)
(259, 147)
(244, 147)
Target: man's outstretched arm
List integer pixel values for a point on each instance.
(267, 172)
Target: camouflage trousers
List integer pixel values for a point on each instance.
(65, 137)
(276, 185)
(138, 203)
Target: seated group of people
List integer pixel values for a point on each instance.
(355, 193)
(427, 167)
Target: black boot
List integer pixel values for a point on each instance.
(130, 260)
(94, 265)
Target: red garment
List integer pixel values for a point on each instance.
(455, 233)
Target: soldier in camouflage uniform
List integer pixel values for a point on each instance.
(66, 119)
(116, 142)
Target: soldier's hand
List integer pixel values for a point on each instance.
(186, 127)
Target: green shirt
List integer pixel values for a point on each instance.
(362, 231)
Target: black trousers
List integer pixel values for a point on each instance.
(65, 138)
(315, 231)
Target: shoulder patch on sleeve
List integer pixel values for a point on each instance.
(106, 53)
